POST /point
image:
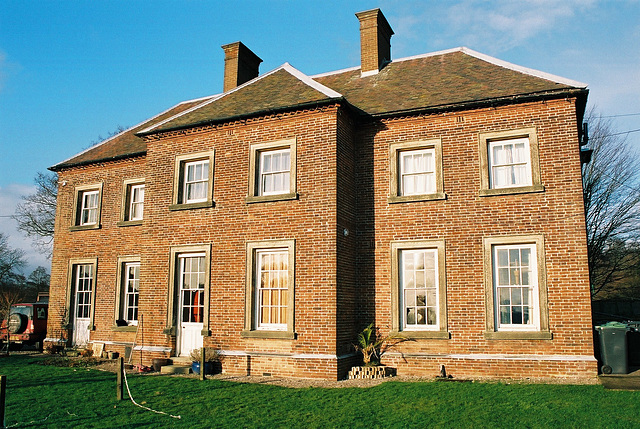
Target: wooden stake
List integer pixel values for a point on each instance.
(120, 384)
(3, 389)
(202, 353)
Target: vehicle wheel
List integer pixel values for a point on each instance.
(606, 369)
(15, 346)
(17, 323)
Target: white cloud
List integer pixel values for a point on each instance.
(493, 27)
(10, 196)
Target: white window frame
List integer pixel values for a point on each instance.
(253, 328)
(181, 184)
(262, 174)
(511, 164)
(89, 209)
(182, 259)
(488, 141)
(399, 324)
(538, 329)
(204, 163)
(261, 307)
(427, 173)
(514, 282)
(405, 289)
(133, 202)
(127, 281)
(397, 174)
(257, 152)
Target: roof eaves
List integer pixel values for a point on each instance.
(472, 104)
(63, 165)
(316, 103)
(123, 132)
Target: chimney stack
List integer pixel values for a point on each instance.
(240, 65)
(375, 41)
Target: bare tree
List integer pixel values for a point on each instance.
(37, 212)
(612, 204)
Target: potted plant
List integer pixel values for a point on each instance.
(212, 360)
(372, 346)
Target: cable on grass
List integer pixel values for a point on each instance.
(126, 383)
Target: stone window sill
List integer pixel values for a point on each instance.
(518, 335)
(84, 227)
(190, 206)
(511, 191)
(268, 198)
(422, 335)
(129, 223)
(278, 335)
(393, 199)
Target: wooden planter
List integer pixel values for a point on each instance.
(372, 372)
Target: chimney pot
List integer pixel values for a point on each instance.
(240, 65)
(375, 41)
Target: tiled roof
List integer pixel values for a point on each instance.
(441, 80)
(126, 143)
(451, 78)
(283, 88)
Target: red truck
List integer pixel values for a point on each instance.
(27, 324)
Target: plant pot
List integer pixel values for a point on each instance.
(208, 367)
(114, 355)
(159, 363)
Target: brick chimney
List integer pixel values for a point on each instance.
(375, 41)
(240, 65)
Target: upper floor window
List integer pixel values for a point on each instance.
(275, 172)
(509, 162)
(87, 206)
(132, 202)
(272, 171)
(193, 181)
(196, 178)
(136, 205)
(416, 171)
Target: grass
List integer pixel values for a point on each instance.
(83, 397)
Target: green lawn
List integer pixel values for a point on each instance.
(85, 397)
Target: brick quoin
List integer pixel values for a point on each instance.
(343, 226)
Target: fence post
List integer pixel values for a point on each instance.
(120, 391)
(3, 389)
(202, 354)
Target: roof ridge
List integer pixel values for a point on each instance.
(522, 69)
(129, 129)
(484, 57)
(310, 82)
(286, 67)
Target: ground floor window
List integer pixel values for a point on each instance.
(270, 289)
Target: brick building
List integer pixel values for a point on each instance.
(438, 196)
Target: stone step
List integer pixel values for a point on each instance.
(176, 369)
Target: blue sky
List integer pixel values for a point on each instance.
(72, 71)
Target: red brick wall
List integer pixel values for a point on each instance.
(464, 218)
(106, 244)
(342, 282)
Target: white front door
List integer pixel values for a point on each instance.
(191, 303)
(82, 304)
